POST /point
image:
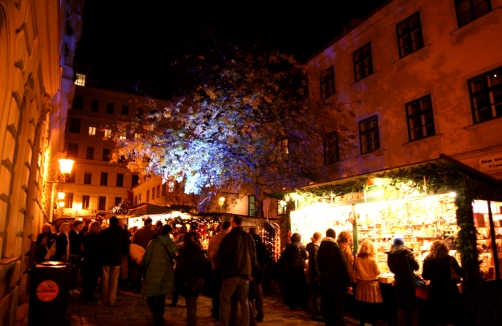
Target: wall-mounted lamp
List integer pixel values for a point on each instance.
(61, 195)
(221, 202)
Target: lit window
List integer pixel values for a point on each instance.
(123, 135)
(108, 133)
(285, 146)
(80, 80)
(92, 130)
(137, 135)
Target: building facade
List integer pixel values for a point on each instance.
(419, 78)
(37, 44)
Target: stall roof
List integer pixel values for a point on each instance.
(443, 160)
(148, 209)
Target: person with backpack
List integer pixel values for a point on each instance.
(294, 257)
(158, 264)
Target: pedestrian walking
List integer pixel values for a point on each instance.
(141, 237)
(261, 257)
(313, 276)
(159, 273)
(44, 242)
(91, 265)
(114, 244)
(238, 261)
(63, 243)
(334, 280)
(294, 257)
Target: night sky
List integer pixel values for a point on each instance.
(136, 42)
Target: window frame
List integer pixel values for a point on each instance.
(86, 201)
(472, 10)
(90, 150)
(370, 131)
(72, 150)
(87, 178)
(102, 203)
(103, 180)
(120, 180)
(92, 129)
(326, 149)
(105, 157)
(362, 60)
(94, 105)
(68, 200)
(410, 34)
(74, 125)
(110, 108)
(421, 113)
(78, 103)
(327, 82)
(251, 205)
(487, 91)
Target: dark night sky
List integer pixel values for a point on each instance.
(136, 41)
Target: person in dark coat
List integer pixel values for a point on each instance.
(191, 263)
(159, 274)
(114, 244)
(294, 257)
(444, 296)
(91, 266)
(142, 237)
(63, 243)
(261, 257)
(44, 242)
(312, 276)
(402, 263)
(334, 279)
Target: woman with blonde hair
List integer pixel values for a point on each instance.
(63, 243)
(368, 289)
(44, 243)
(444, 296)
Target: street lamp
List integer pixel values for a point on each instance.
(221, 202)
(65, 167)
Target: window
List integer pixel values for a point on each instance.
(164, 189)
(123, 135)
(90, 153)
(251, 205)
(120, 180)
(137, 135)
(80, 79)
(92, 130)
(469, 10)
(122, 159)
(68, 200)
(409, 35)
(139, 113)
(331, 150)
(420, 118)
(86, 201)
(78, 102)
(363, 65)
(102, 203)
(153, 193)
(72, 150)
(109, 107)
(108, 133)
(87, 178)
(135, 180)
(158, 191)
(94, 105)
(148, 195)
(70, 178)
(139, 199)
(486, 95)
(75, 125)
(368, 135)
(118, 200)
(328, 83)
(125, 109)
(104, 179)
(136, 200)
(106, 154)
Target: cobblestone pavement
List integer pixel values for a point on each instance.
(131, 309)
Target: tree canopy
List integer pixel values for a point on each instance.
(247, 122)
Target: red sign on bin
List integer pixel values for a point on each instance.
(47, 291)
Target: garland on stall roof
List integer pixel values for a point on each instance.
(439, 178)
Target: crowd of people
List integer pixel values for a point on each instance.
(321, 278)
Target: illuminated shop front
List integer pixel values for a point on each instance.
(435, 200)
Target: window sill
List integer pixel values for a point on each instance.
(487, 132)
(369, 77)
(420, 54)
(421, 140)
(496, 122)
(490, 18)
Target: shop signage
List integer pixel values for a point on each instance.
(489, 163)
(350, 197)
(47, 291)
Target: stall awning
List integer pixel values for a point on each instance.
(414, 172)
(148, 209)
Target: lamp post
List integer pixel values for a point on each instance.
(221, 202)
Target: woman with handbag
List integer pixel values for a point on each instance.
(444, 273)
(295, 256)
(159, 274)
(44, 242)
(368, 290)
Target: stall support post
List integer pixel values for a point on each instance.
(355, 235)
(494, 242)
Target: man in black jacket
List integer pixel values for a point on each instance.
(334, 279)
(114, 244)
(237, 255)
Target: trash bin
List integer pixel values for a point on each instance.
(49, 293)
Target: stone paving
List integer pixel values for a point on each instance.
(131, 309)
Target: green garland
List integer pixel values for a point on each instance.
(440, 178)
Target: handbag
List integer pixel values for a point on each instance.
(51, 251)
(419, 284)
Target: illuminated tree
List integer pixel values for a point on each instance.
(248, 124)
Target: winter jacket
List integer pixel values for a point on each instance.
(92, 254)
(62, 249)
(401, 262)
(294, 256)
(367, 268)
(347, 254)
(114, 244)
(237, 254)
(44, 241)
(76, 240)
(333, 269)
(212, 249)
(159, 273)
(313, 271)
